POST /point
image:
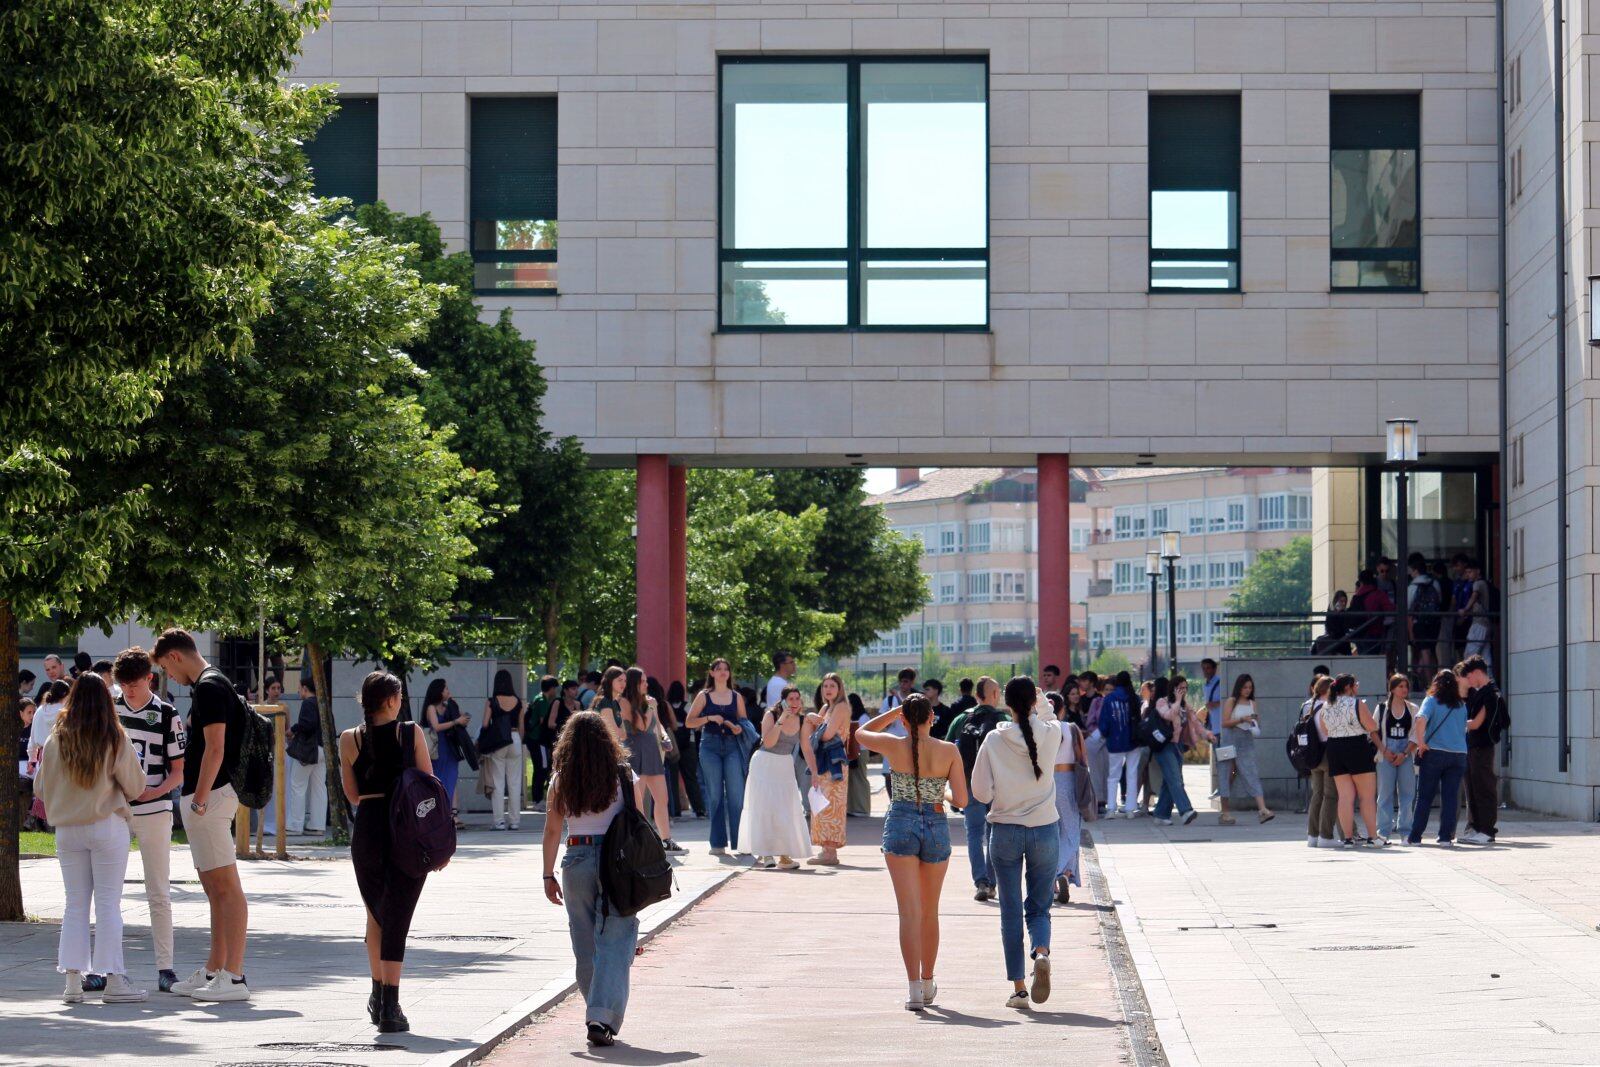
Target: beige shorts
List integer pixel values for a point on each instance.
(211, 835)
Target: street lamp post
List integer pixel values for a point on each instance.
(1152, 568)
(1171, 553)
(1402, 456)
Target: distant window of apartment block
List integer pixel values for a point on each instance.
(1194, 192)
(1374, 186)
(514, 194)
(343, 154)
(854, 194)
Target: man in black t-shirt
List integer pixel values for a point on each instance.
(1486, 722)
(216, 727)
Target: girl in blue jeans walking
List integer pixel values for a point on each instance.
(718, 712)
(585, 795)
(1025, 844)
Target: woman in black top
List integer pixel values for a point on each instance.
(371, 759)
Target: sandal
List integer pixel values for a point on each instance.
(1266, 816)
(1226, 820)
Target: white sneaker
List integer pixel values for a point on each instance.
(1041, 979)
(719, 852)
(1473, 837)
(930, 989)
(1017, 999)
(224, 987)
(73, 993)
(121, 991)
(192, 984)
(1327, 842)
(1311, 841)
(787, 864)
(915, 1003)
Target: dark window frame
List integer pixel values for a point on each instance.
(1233, 255)
(511, 255)
(854, 255)
(1412, 254)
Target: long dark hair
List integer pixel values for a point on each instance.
(434, 697)
(1160, 689)
(1344, 682)
(584, 765)
(1446, 689)
(1238, 686)
(503, 686)
(1021, 695)
(377, 689)
(916, 710)
(611, 675)
(711, 682)
(633, 691)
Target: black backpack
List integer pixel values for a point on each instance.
(979, 724)
(1304, 745)
(634, 870)
(1428, 599)
(422, 832)
(251, 773)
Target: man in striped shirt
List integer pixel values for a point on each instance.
(157, 732)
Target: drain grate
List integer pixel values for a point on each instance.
(463, 937)
(327, 1046)
(1359, 948)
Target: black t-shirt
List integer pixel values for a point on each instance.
(1485, 696)
(212, 701)
(963, 703)
(943, 715)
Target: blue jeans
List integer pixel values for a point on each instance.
(1395, 783)
(976, 816)
(1039, 849)
(602, 944)
(917, 831)
(722, 778)
(1441, 773)
(1170, 761)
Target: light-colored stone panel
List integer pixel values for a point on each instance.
(444, 120)
(1240, 336)
(1068, 191)
(638, 120)
(399, 121)
(377, 49)
(1153, 336)
(1331, 44)
(1075, 118)
(806, 35)
(806, 409)
(1340, 406)
(1072, 407)
(1306, 191)
(630, 47)
(636, 265)
(1068, 264)
(1247, 406)
(977, 409)
(1069, 46)
(1430, 44)
(1152, 46)
(898, 409)
(1239, 45)
(1263, 264)
(569, 409)
(636, 192)
(554, 46)
(1340, 336)
(635, 338)
(466, 48)
(1069, 338)
(1422, 335)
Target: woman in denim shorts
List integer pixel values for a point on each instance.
(916, 831)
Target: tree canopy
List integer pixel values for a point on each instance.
(1278, 582)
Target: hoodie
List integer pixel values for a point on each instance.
(1003, 777)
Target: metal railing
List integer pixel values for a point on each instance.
(1322, 634)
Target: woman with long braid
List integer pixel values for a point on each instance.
(916, 830)
(1024, 845)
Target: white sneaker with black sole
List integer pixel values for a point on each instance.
(1473, 837)
(224, 988)
(1191, 817)
(1041, 979)
(192, 984)
(1018, 999)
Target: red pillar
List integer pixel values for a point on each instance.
(1055, 561)
(652, 574)
(677, 569)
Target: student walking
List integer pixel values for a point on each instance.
(1118, 713)
(643, 729)
(88, 772)
(828, 736)
(718, 712)
(1397, 774)
(1165, 753)
(588, 769)
(372, 757)
(449, 726)
(969, 735)
(500, 748)
(1071, 761)
(1025, 844)
(1236, 755)
(1441, 735)
(916, 832)
(1352, 743)
(155, 730)
(772, 827)
(215, 728)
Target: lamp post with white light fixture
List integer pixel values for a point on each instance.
(1402, 456)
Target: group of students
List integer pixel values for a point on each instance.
(1391, 761)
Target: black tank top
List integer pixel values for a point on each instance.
(379, 758)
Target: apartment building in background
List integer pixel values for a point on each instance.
(979, 530)
(1224, 516)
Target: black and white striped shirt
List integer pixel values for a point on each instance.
(158, 737)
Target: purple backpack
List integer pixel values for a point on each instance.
(422, 833)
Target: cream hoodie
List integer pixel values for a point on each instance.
(1003, 778)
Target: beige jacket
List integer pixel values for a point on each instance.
(66, 803)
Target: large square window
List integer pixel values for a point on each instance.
(1194, 192)
(514, 194)
(854, 194)
(1373, 188)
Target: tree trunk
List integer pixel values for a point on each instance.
(552, 630)
(583, 655)
(10, 728)
(401, 669)
(338, 806)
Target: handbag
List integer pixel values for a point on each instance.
(432, 738)
(669, 747)
(1083, 794)
(1227, 752)
(302, 748)
(494, 734)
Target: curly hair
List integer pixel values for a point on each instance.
(584, 766)
(88, 733)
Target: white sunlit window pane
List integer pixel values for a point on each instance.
(911, 293)
(1192, 219)
(925, 161)
(785, 178)
(784, 294)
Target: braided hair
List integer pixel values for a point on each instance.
(916, 711)
(1021, 695)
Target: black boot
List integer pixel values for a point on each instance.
(375, 1001)
(391, 1020)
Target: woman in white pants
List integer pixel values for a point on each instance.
(88, 772)
(502, 767)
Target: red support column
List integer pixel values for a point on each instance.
(1055, 561)
(653, 572)
(677, 569)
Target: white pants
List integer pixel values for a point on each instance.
(304, 778)
(504, 770)
(93, 860)
(1124, 766)
(155, 854)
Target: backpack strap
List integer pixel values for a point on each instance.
(1438, 723)
(625, 783)
(408, 743)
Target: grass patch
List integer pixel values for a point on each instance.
(39, 843)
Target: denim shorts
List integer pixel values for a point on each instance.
(920, 832)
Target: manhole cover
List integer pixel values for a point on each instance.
(1358, 948)
(462, 937)
(326, 1046)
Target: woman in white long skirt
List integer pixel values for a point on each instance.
(773, 827)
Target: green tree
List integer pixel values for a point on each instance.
(593, 594)
(482, 379)
(1278, 582)
(1110, 662)
(136, 238)
(871, 575)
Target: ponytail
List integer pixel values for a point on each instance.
(1021, 695)
(377, 689)
(916, 711)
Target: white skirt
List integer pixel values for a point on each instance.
(773, 822)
